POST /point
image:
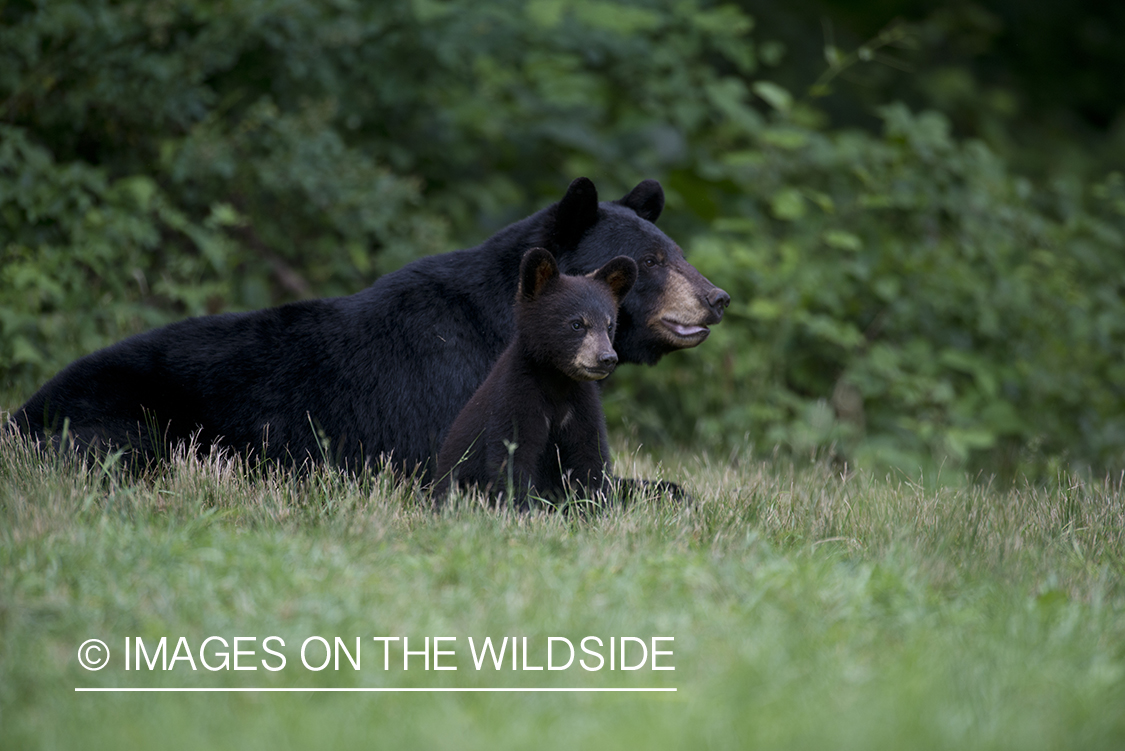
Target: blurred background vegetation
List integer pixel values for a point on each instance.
(918, 208)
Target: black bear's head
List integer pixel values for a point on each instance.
(671, 304)
(568, 322)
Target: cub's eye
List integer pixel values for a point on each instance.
(577, 325)
(649, 261)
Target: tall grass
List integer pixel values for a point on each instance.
(811, 606)
(1070, 533)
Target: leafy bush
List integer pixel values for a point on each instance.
(905, 300)
(901, 297)
(83, 255)
(256, 153)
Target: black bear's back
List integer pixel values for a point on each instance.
(223, 377)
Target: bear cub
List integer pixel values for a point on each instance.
(536, 424)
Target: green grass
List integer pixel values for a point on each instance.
(811, 608)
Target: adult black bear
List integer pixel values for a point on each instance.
(536, 423)
(383, 371)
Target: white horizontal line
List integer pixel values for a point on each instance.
(371, 690)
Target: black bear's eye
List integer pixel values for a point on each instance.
(577, 325)
(650, 261)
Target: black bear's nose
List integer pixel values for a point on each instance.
(718, 300)
(608, 359)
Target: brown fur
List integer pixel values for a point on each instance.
(535, 426)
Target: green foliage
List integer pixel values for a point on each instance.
(1038, 82)
(83, 254)
(903, 299)
(162, 160)
(287, 149)
(900, 297)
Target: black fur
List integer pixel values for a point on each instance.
(384, 371)
(536, 423)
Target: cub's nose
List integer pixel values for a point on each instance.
(718, 300)
(608, 360)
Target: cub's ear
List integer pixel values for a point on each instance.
(647, 199)
(620, 274)
(574, 214)
(537, 269)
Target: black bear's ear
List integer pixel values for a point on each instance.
(647, 199)
(620, 274)
(537, 268)
(574, 214)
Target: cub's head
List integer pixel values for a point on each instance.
(568, 322)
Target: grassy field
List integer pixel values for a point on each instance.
(810, 608)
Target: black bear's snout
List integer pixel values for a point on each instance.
(718, 300)
(608, 359)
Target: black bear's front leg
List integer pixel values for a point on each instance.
(513, 456)
(583, 445)
(631, 489)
